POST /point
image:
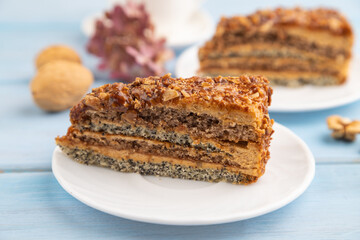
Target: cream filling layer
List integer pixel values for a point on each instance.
(281, 64)
(245, 157)
(291, 75)
(121, 155)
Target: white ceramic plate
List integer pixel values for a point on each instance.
(307, 98)
(183, 202)
(197, 28)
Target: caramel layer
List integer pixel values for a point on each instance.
(164, 169)
(121, 155)
(275, 64)
(287, 78)
(271, 49)
(244, 155)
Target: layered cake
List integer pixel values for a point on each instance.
(199, 128)
(291, 47)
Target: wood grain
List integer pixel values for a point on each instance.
(36, 207)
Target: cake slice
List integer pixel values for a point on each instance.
(210, 129)
(291, 47)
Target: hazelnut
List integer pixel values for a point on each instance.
(56, 52)
(60, 84)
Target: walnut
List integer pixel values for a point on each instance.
(60, 84)
(137, 104)
(266, 27)
(129, 116)
(343, 128)
(334, 24)
(218, 98)
(148, 81)
(255, 95)
(104, 96)
(92, 101)
(185, 93)
(170, 94)
(56, 52)
(206, 84)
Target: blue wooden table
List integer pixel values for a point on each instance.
(34, 206)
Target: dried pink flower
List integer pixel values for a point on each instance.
(126, 43)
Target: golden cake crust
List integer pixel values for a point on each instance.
(315, 19)
(243, 93)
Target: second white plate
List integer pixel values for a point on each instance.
(182, 202)
(307, 98)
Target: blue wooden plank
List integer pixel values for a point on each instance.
(17, 58)
(34, 206)
(27, 132)
(312, 128)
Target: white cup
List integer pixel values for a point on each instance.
(167, 15)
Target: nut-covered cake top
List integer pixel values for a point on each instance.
(320, 18)
(245, 93)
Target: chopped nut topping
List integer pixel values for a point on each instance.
(148, 81)
(137, 104)
(255, 95)
(266, 27)
(91, 100)
(129, 116)
(185, 93)
(170, 94)
(264, 20)
(343, 128)
(246, 93)
(104, 96)
(206, 84)
(232, 124)
(218, 98)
